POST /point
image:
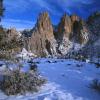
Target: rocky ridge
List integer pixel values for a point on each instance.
(46, 41)
(72, 34)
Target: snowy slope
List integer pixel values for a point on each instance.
(67, 80)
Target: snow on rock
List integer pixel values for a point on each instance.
(2, 66)
(25, 54)
(65, 46)
(87, 60)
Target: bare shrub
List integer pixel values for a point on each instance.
(15, 82)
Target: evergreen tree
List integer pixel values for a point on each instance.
(1, 8)
(2, 32)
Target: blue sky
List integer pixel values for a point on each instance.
(23, 14)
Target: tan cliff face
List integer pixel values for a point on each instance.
(64, 27)
(41, 41)
(44, 25)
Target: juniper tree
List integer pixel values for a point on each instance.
(2, 33)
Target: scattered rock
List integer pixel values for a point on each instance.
(69, 64)
(79, 65)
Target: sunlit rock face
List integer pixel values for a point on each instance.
(42, 41)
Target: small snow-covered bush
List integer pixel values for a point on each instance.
(15, 82)
(95, 85)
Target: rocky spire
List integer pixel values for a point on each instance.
(64, 27)
(44, 25)
(42, 35)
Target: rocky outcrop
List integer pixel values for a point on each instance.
(12, 34)
(80, 32)
(42, 41)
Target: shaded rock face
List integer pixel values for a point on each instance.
(94, 26)
(42, 35)
(92, 49)
(80, 32)
(74, 18)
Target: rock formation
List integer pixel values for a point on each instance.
(42, 41)
(70, 31)
(80, 32)
(63, 33)
(72, 34)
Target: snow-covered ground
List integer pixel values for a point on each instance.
(67, 80)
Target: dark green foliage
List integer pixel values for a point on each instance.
(5, 55)
(13, 44)
(93, 16)
(2, 37)
(96, 85)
